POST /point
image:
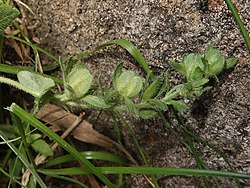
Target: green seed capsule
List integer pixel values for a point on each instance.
(78, 82)
(128, 84)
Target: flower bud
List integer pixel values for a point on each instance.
(128, 84)
(78, 82)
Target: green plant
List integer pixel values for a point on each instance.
(8, 14)
(144, 98)
(156, 94)
(152, 94)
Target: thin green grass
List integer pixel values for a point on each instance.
(71, 180)
(143, 155)
(10, 177)
(25, 116)
(147, 171)
(240, 23)
(134, 52)
(90, 155)
(10, 69)
(35, 47)
(24, 161)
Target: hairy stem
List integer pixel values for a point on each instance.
(19, 86)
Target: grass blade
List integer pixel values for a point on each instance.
(35, 47)
(9, 176)
(126, 45)
(91, 155)
(24, 160)
(68, 179)
(25, 116)
(15, 69)
(148, 171)
(240, 23)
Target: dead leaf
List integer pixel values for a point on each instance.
(16, 47)
(62, 120)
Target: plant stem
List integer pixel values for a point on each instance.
(10, 177)
(18, 86)
(154, 180)
(240, 23)
(116, 126)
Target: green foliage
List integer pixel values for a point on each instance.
(132, 108)
(79, 91)
(214, 61)
(142, 98)
(154, 88)
(116, 74)
(191, 66)
(42, 147)
(128, 84)
(38, 144)
(36, 83)
(8, 14)
(96, 101)
(230, 62)
(78, 82)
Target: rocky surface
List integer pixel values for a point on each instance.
(163, 30)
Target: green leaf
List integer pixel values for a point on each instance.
(153, 89)
(68, 66)
(26, 117)
(191, 63)
(148, 171)
(110, 95)
(191, 66)
(32, 182)
(165, 85)
(131, 107)
(117, 73)
(173, 93)
(9, 131)
(91, 155)
(32, 137)
(230, 62)
(34, 82)
(24, 160)
(199, 83)
(178, 105)
(215, 60)
(197, 74)
(35, 136)
(42, 147)
(96, 101)
(147, 113)
(8, 14)
(10, 69)
(179, 67)
(158, 104)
